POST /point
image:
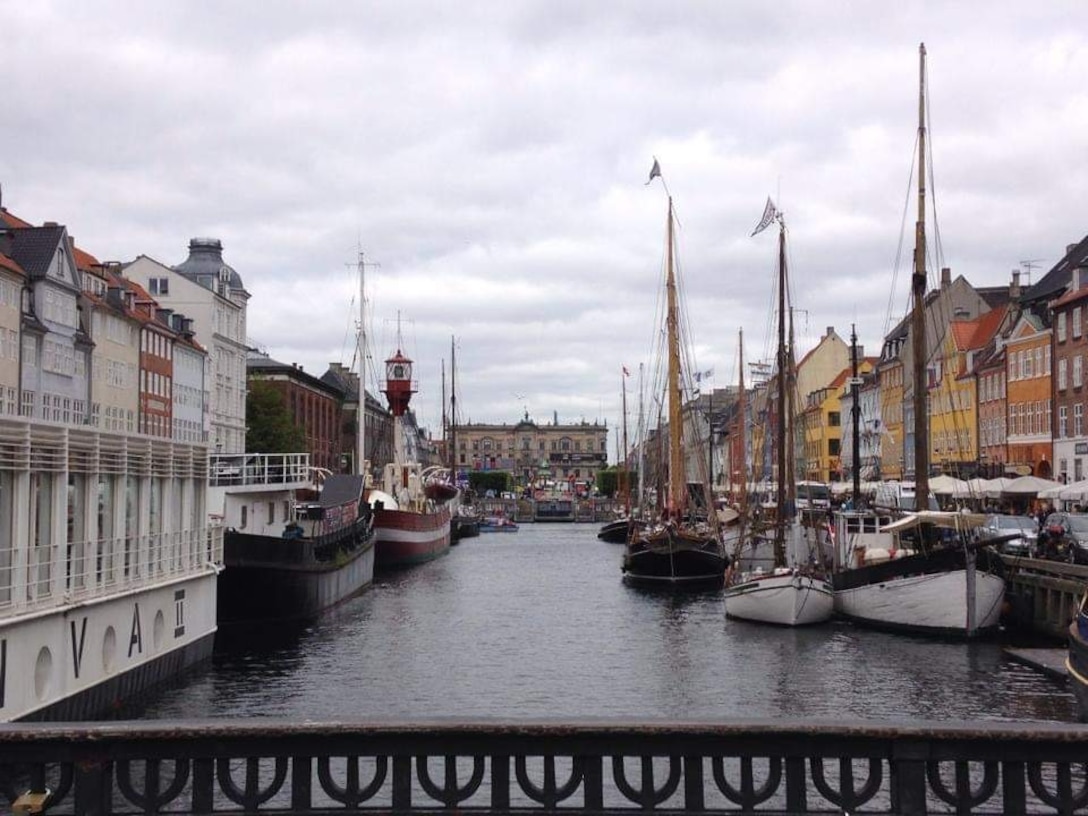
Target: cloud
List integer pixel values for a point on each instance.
(491, 159)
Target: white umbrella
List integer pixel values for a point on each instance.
(1078, 491)
(992, 488)
(1028, 486)
(971, 489)
(945, 485)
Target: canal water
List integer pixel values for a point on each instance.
(538, 624)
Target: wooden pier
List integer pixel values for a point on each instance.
(1043, 595)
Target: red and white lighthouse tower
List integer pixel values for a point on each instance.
(398, 383)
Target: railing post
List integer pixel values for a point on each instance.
(93, 776)
(203, 785)
(402, 782)
(301, 782)
(907, 772)
(694, 796)
(796, 792)
(500, 783)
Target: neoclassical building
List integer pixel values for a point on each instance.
(532, 452)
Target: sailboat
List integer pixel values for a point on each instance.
(795, 591)
(923, 572)
(619, 530)
(466, 519)
(678, 549)
(411, 527)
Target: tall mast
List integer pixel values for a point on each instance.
(855, 414)
(641, 447)
(360, 414)
(780, 441)
(453, 412)
(918, 314)
(742, 410)
(676, 429)
(626, 478)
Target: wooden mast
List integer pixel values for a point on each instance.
(918, 314)
(625, 483)
(780, 408)
(676, 502)
(742, 410)
(453, 413)
(361, 350)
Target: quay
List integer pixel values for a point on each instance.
(743, 766)
(1043, 595)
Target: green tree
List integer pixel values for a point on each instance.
(269, 426)
(483, 480)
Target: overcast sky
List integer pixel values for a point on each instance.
(490, 159)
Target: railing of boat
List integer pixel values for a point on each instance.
(57, 574)
(245, 469)
(746, 766)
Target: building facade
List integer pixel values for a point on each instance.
(534, 453)
(211, 293)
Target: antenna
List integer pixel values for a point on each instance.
(1030, 264)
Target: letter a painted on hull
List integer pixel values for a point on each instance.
(136, 639)
(77, 646)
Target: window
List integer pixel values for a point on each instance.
(271, 512)
(1063, 420)
(833, 419)
(1062, 382)
(1078, 421)
(1076, 323)
(159, 286)
(245, 514)
(1078, 470)
(1078, 371)
(1061, 327)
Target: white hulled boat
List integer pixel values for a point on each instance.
(794, 591)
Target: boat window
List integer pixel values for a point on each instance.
(245, 513)
(286, 510)
(271, 512)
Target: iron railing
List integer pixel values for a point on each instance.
(776, 766)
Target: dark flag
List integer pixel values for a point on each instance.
(769, 212)
(655, 171)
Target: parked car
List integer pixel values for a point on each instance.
(1065, 536)
(1016, 535)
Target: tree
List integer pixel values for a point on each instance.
(269, 425)
(483, 480)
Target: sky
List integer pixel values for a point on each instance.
(489, 160)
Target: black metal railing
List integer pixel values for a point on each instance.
(774, 766)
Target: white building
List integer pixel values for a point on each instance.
(211, 294)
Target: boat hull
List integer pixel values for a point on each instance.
(926, 594)
(268, 578)
(1077, 663)
(672, 558)
(404, 538)
(789, 599)
(81, 661)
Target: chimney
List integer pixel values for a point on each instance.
(946, 277)
(1069, 248)
(830, 331)
(1014, 287)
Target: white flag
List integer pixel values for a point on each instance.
(769, 212)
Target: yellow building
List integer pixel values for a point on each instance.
(822, 423)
